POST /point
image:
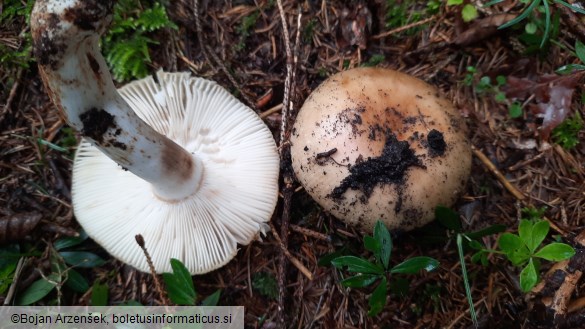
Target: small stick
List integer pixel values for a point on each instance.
(297, 263)
(491, 167)
(311, 233)
(15, 281)
(161, 292)
(560, 303)
(270, 111)
(404, 28)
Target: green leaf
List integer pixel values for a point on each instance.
(570, 6)
(360, 280)
(454, 2)
(266, 284)
(580, 51)
(70, 241)
(378, 298)
(37, 290)
(528, 277)
(99, 294)
(180, 284)
(82, 259)
(9, 255)
(383, 238)
(468, 13)
(76, 281)
(509, 242)
(474, 244)
(498, 228)
(480, 257)
(522, 16)
(212, 299)
(530, 28)
(519, 256)
(525, 231)
(539, 232)
(466, 280)
(371, 244)
(500, 97)
(325, 260)
(416, 264)
(556, 252)
(493, 2)
(547, 15)
(570, 68)
(6, 276)
(448, 218)
(358, 265)
(515, 110)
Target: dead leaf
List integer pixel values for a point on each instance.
(15, 227)
(482, 29)
(355, 25)
(553, 95)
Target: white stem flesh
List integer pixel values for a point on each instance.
(66, 36)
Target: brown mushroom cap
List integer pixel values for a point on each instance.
(372, 143)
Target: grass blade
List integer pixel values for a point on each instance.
(466, 281)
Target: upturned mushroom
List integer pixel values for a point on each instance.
(375, 144)
(175, 159)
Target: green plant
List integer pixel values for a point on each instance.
(368, 272)
(580, 53)
(524, 250)
(468, 11)
(266, 284)
(567, 133)
(466, 241)
(245, 28)
(180, 287)
(486, 86)
(309, 31)
(64, 262)
(126, 45)
(374, 60)
(405, 12)
(538, 6)
(15, 53)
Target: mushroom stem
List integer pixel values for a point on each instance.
(65, 38)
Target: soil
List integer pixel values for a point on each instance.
(388, 168)
(515, 165)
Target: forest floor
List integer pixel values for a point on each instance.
(502, 81)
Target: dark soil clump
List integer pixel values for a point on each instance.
(389, 168)
(436, 142)
(96, 123)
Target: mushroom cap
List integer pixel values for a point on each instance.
(236, 197)
(375, 144)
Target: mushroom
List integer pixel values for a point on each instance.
(375, 144)
(173, 158)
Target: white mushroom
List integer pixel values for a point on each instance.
(373, 143)
(178, 160)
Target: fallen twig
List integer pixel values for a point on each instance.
(492, 168)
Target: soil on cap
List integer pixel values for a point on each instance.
(436, 143)
(389, 168)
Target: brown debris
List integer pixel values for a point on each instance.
(17, 226)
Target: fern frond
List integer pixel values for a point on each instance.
(154, 18)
